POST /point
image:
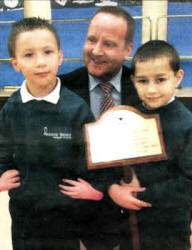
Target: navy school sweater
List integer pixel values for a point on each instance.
(45, 143)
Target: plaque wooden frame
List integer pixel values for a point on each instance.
(127, 160)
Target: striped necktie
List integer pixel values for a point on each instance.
(107, 101)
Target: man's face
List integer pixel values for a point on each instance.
(105, 48)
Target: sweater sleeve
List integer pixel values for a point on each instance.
(6, 144)
(176, 189)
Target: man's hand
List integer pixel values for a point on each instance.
(125, 196)
(9, 180)
(80, 189)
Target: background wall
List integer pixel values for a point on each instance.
(72, 34)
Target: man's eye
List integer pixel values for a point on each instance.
(91, 39)
(109, 44)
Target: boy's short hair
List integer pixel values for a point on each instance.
(27, 24)
(119, 12)
(156, 49)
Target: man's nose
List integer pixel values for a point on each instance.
(98, 49)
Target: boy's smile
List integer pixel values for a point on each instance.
(37, 56)
(155, 81)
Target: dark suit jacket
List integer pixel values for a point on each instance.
(78, 81)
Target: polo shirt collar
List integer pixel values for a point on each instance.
(52, 97)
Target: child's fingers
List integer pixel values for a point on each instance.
(141, 203)
(82, 181)
(135, 204)
(70, 194)
(69, 188)
(15, 179)
(15, 185)
(10, 173)
(9, 186)
(65, 192)
(71, 182)
(138, 189)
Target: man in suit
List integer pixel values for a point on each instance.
(108, 43)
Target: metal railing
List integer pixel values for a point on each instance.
(167, 17)
(79, 20)
(173, 16)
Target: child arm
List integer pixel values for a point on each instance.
(87, 184)
(9, 180)
(175, 189)
(124, 196)
(80, 189)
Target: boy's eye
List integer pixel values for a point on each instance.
(142, 81)
(48, 52)
(161, 79)
(28, 55)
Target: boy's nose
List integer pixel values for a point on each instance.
(151, 88)
(40, 60)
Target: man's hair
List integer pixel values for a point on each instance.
(156, 49)
(119, 12)
(28, 24)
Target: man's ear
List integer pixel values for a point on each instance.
(60, 57)
(128, 50)
(15, 64)
(179, 76)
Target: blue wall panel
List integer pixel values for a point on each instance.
(72, 36)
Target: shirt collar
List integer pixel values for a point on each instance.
(170, 100)
(52, 97)
(115, 81)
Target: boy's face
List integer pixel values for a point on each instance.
(105, 48)
(37, 57)
(156, 82)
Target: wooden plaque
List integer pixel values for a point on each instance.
(123, 136)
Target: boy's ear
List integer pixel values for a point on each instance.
(129, 49)
(179, 76)
(132, 78)
(15, 64)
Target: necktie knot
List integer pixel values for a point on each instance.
(107, 101)
(106, 87)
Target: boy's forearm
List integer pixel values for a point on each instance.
(96, 195)
(104, 178)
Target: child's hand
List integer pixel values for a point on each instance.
(124, 196)
(80, 189)
(9, 180)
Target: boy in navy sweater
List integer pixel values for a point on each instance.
(41, 144)
(165, 224)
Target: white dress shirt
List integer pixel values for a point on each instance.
(96, 94)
